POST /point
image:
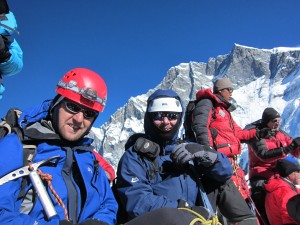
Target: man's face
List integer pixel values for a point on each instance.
(165, 121)
(74, 120)
(275, 123)
(226, 93)
(295, 177)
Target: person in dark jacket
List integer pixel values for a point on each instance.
(11, 54)
(158, 172)
(264, 154)
(77, 190)
(280, 189)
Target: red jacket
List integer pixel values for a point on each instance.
(211, 116)
(279, 191)
(262, 165)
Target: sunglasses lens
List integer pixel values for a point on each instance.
(74, 108)
(161, 115)
(230, 90)
(172, 116)
(276, 120)
(89, 113)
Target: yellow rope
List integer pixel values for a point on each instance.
(213, 221)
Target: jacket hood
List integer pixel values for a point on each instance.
(275, 183)
(151, 130)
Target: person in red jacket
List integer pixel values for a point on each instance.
(264, 154)
(214, 126)
(280, 189)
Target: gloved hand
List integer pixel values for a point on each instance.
(4, 52)
(189, 151)
(181, 155)
(65, 222)
(296, 142)
(291, 147)
(93, 222)
(265, 133)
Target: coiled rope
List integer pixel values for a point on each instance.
(48, 179)
(213, 221)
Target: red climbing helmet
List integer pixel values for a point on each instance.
(84, 87)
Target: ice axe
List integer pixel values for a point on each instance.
(32, 172)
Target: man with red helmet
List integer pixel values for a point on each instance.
(58, 128)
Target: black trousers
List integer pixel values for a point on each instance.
(230, 202)
(258, 195)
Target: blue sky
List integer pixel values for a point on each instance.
(133, 43)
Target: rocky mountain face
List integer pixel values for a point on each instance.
(262, 78)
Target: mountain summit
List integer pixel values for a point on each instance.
(262, 78)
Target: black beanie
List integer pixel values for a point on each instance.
(269, 114)
(285, 167)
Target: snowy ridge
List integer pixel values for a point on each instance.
(262, 78)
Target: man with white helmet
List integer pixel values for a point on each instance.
(79, 191)
(156, 172)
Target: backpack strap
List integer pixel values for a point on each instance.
(28, 153)
(9, 125)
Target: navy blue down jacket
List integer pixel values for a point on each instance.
(144, 185)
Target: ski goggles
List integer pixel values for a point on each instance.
(160, 115)
(75, 108)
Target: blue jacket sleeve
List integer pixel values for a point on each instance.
(220, 171)
(15, 64)
(134, 188)
(10, 160)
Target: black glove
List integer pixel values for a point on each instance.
(181, 155)
(189, 151)
(265, 133)
(65, 222)
(291, 147)
(296, 142)
(4, 52)
(93, 222)
(147, 148)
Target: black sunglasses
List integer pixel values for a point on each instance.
(75, 108)
(160, 115)
(230, 90)
(276, 120)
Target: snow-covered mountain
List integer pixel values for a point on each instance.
(262, 78)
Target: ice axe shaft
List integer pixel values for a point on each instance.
(42, 194)
(36, 182)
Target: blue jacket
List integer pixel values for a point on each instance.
(140, 192)
(15, 64)
(98, 203)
